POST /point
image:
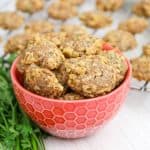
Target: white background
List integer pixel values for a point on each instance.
(130, 129)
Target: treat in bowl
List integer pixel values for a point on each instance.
(81, 44)
(134, 25)
(95, 19)
(10, 20)
(122, 39)
(42, 52)
(30, 6)
(109, 5)
(70, 97)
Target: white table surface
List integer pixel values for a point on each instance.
(130, 129)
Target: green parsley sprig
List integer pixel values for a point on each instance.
(17, 132)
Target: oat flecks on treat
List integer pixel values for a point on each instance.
(42, 81)
(95, 19)
(146, 49)
(134, 25)
(56, 37)
(62, 10)
(39, 26)
(92, 76)
(70, 29)
(81, 44)
(109, 5)
(142, 8)
(74, 2)
(141, 67)
(121, 39)
(10, 20)
(30, 6)
(17, 43)
(42, 52)
(72, 96)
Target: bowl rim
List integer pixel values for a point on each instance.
(15, 81)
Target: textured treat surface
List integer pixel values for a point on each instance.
(109, 5)
(42, 81)
(95, 19)
(81, 44)
(39, 27)
(30, 6)
(42, 52)
(121, 39)
(10, 20)
(17, 42)
(142, 8)
(93, 75)
(134, 25)
(62, 10)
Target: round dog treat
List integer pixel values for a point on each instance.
(72, 96)
(74, 2)
(141, 68)
(109, 5)
(62, 10)
(56, 37)
(121, 39)
(95, 19)
(42, 52)
(30, 6)
(17, 43)
(10, 20)
(42, 82)
(79, 45)
(142, 8)
(146, 50)
(90, 76)
(134, 25)
(39, 27)
(73, 29)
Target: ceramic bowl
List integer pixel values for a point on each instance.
(70, 119)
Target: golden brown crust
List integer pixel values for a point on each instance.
(95, 19)
(74, 2)
(141, 68)
(30, 6)
(17, 42)
(142, 8)
(79, 45)
(121, 39)
(42, 82)
(72, 96)
(73, 29)
(134, 25)
(39, 26)
(92, 76)
(109, 5)
(146, 49)
(56, 37)
(42, 52)
(62, 10)
(10, 20)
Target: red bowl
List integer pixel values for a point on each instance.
(70, 119)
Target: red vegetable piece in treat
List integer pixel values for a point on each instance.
(107, 47)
